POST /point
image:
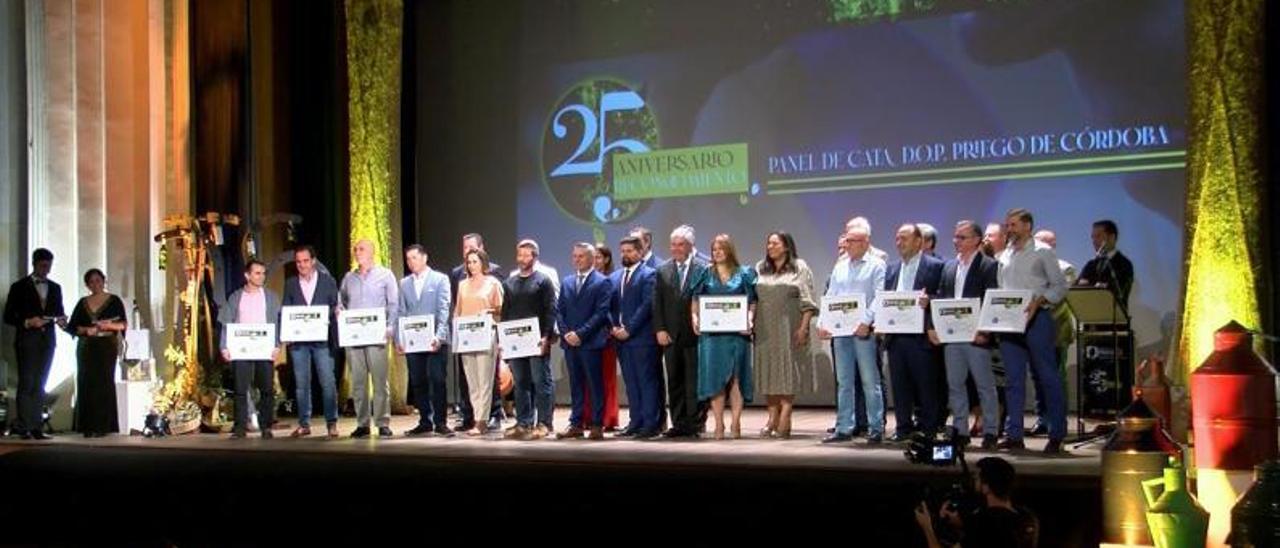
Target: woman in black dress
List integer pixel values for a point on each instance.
(98, 320)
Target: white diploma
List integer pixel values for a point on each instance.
(520, 338)
(251, 341)
(417, 333)
(722, 313)
(472, 334)
(955, 320)
(304, 323)
(899, 312)
(841, 315)
(1004, 311)
(362, 327)
(137, 344)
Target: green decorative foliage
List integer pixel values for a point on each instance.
(374, 29)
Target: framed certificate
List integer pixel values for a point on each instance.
(251, 341)
(899, 312)
(520, 338)
(1004, 311)
(362, 327)
(304, 323)
(137, 344)
(472, 334)
(722, 313)
(417, 333)
(955, 320)
(841, 315)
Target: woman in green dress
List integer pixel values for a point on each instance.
(724, 359)
(97, 321)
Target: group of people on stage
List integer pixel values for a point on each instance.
(644, 314)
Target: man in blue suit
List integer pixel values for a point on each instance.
(647, 256)
(582, 312)
(968, 276)
(912, 364)
(632, 316)
(313, 287)
(425, 292)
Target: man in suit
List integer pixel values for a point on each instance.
(425, 292)
(252, 303)
(912, 364)
(968, 276)
(1109, 268)
(33, 308)
(582, 314)
(648, 257)
(632, 315)
(671, 324)
(466, 415)
(312, 287)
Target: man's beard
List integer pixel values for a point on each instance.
(627, 262)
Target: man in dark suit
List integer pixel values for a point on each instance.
(313, 287)
(912, 364)
(582, 314)
(632, 315)
(33, 308)
(671, 312)
(968, 276)
(647, 256)
(465, 413)
(1109, 268)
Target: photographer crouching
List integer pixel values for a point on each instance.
(994, 523)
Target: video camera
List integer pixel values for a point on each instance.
(934, 449)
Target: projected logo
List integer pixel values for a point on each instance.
(594, 120)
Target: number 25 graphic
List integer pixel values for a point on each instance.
(609, 102)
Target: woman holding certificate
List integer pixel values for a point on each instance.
(479, 293)
(785, 289)
(97, 321)
(722, 319)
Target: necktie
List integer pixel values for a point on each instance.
(626, 279)
(680, 267)
(580, 278)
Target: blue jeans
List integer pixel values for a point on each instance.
(964, 359)
(426, 376)
(1033, 351)
(304, 356)
(535, 390)
(856, 369)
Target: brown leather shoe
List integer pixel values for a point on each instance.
(572, 432)
(300, 432)
(597, 433)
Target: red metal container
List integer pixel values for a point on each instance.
(1233, 404)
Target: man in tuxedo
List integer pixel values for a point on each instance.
(313, 287)
(671, 325)
(582, 315)
(912, 364)
(1109, 268)
(425, 292)
(465, 413)
(34, 308)
(968, 276)
(632, 315)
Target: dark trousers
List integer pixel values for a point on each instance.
(465, 412)
(915, 382)
(426, 379)
(687, 413)
(34, 351)
(642, 373)
(585, 374)
(254, 374)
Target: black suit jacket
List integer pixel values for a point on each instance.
(982, 275)
(24, 302)
(326, 295)
(1116, 272)
(671, 305)
(928, 279)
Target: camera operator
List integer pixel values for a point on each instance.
(995, 523)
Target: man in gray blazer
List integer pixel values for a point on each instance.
(252, 303)
(425, 292)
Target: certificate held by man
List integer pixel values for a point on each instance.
(304, 323)
(840, 315)
(520, 338)
(899, 312)
(362, 327)
(722, 313)
(417, 333)
(251, 341)
(472, 334)
(955, 320)
(1004, 311)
